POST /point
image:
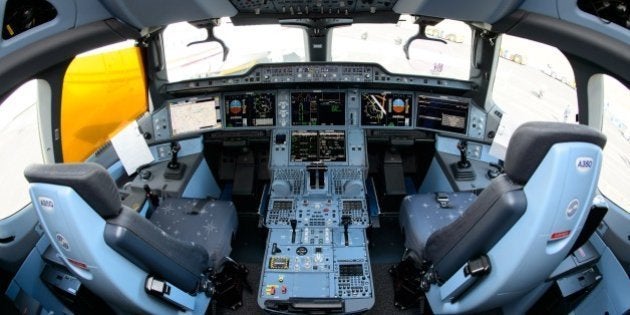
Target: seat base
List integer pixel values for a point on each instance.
(406, 278)
(422, 214)
(229, 285)
(209, 223)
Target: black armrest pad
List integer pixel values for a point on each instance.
(492, 214)
(146, 245)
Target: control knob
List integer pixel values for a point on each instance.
(281, 188)
(353, 188)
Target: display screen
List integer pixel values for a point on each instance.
(444, 113)
(192, 116)
(318, 108)
(250, 109)
(386, 109)
(318, 146)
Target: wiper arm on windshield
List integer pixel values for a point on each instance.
(209, 25)
(422, 22)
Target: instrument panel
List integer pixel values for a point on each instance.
(194, 115)
(321, 109)
(386, 109)
(442, 113)
(318, 108)
(318, 146)
(255, 109)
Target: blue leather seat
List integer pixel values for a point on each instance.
(112, 249)
(522, 225)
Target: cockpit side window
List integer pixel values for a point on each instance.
(20, 145)
(103, 90)
(534, 82)
(614, 181)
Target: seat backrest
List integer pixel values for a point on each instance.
(555, 167)
(74, 203)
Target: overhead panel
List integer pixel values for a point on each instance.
(292, 8)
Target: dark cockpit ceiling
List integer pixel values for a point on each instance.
(148, 13)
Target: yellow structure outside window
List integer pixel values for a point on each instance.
(102, 92)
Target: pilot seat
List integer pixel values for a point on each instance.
(487, 252)
(116, 252)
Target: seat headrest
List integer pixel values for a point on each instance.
(91, 181)
(531, 142)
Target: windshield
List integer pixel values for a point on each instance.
(377, 43)
(248, 45)
(383, 44)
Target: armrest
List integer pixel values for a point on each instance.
(464, 278)
(137, 239)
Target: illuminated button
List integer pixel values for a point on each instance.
(270, 289)
(281, 278)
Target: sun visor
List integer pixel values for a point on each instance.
(147, 13)
(488, 11)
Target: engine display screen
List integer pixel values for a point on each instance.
(192, 116)
(318, 146)
(250, 109)
(444, 113)
(318, 108)
(386, 109)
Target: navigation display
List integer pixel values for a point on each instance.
(318, 108)
(318, 146)
(250, 109)
(386, 109)
(444, 113)
(193, 116)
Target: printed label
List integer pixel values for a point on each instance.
(572, 208)
(584, 164)
(46, 203)
(62, 242)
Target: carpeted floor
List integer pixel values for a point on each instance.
(384, 288)
(249, 244)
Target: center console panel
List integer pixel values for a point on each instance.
(317, 259)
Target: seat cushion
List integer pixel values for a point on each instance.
(209, 223)
(421, 215)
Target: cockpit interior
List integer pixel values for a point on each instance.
(315, 157)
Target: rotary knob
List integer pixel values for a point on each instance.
(281, 188)
(352, 188)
